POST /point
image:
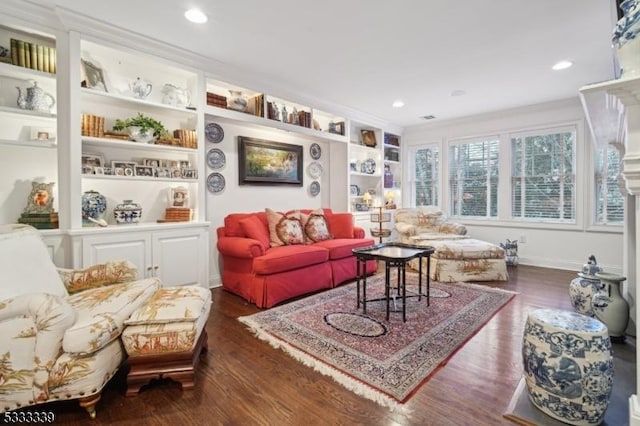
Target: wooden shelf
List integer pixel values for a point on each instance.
(136, 146)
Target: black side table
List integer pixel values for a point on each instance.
(393, 255)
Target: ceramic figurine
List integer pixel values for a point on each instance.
(285, 114)
(140, 88)
(510, 252)
(36, 99)
(584, 286)
(610, 307)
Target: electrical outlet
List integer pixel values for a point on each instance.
(523, 239)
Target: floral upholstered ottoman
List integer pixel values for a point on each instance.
(165, 337)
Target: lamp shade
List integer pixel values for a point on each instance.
(366, 197)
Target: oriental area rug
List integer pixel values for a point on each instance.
(385, 361)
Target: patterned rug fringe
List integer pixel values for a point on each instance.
(351, 384)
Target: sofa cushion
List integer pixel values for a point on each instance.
(254, 228)
(341, 247)
(25, 264)
(284, 228)
(172, 304)
(465, 249)
(286, 258)
(232, 227)
(101, 313)
(98, 275)
(315, 226)
(341, 225)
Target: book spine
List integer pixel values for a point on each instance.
(46, 59)
(27, 55)
(21, 54)
(14, 51)
(101, 127)
(40, 57)
(52, 59)
(33, 51)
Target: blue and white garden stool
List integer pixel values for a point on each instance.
(568, 365)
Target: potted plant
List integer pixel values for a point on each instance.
(141, 128)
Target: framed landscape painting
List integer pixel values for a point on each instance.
(270, 163)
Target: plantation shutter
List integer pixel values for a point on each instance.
(543, 176)
(609, 203)
(473, 178)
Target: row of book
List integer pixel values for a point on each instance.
(188, 138)
(34, 56)
(216, 100)
(40, 220)
(92, 125)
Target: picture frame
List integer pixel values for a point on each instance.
(146, 171)
(98, 170)
(40, 199)
(339, 128)
(163, 172)
(368, 138)
(171, 164)
(354, 189)
(92, 160)
(153, 162)
(176, 173)
(362, 207)
(189, 173)
(184, 164)
(44, 134)
(179, 197)
(123, 167)
(94, 76)
(263, 162)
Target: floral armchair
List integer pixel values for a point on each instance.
(426, 223)
(60, 328)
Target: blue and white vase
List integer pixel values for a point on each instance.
(584, 287)
(610, 307)
(626, 39)
(94, 205)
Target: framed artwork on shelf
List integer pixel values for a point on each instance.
(368, 138)
(92, 160)
(40, 199)
(42, 134)
(94, 76)
(179, 197)
(143, 171)
(354, 189)
(268, 162)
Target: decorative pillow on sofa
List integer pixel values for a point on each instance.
(315, 226)
(284, 229)
(254, 228)
(98, 275)
(341, 225)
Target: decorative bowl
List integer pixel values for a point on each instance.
(127, 212)
(137, 135)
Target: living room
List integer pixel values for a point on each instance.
(561, 245)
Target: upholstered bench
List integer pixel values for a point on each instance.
(465, 259)
(165, 337)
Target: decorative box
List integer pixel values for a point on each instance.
(127, 212)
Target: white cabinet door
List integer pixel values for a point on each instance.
(132, 246)
(181, 257)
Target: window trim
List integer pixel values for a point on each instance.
(413, 149)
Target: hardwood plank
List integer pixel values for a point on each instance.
(243, 380)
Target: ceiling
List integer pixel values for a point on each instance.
(365, 54)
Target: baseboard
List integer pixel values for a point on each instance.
(545, 262)
(215, 281)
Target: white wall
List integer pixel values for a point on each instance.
(252, 198)
(563, 247)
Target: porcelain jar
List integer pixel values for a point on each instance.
(140, 88)
(568, 365)
(626, 38)
(238, 101)
(127, 212)
(94, 205)
(584, 286)
(610, 307)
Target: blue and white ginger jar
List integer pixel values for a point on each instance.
(626, 38)
(94, 205)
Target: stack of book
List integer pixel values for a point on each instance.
(34, 56)
(216, 100)
(177, 214)
(92, 125)
(188, 138)
(40, 220)
(256, 106)
(304, 119)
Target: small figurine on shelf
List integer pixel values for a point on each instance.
(285, 114)
(294, 117)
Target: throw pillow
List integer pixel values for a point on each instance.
(254, 228)
(284, 229)
(112, 272)
(315, 226)
(341, 225)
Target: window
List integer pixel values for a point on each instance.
(543, 176)
(425, 174)
(473, 178)
(609, 203)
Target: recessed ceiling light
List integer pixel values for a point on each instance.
(397, 104)
(562, 65)
(196, 16)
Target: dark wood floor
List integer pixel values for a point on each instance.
(244, 381)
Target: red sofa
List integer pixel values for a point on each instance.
(266, 275)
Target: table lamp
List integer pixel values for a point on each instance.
(366, 198)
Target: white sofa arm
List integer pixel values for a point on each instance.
(32, 327)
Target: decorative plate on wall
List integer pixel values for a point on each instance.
(314, 188)
(213, 132)
(216, 158)
(314, 169)
(315, 151)
(215, 182)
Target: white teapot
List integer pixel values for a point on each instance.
(175, 96)
(140, 88)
